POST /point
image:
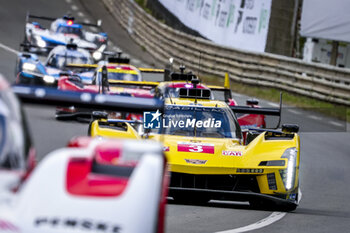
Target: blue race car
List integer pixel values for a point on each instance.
(61, 32)
(31, 71)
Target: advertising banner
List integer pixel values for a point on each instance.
(326, 19)
(241, 24)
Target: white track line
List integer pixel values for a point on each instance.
(8, 49)
(314, 117)
(294, 111)
(336, 123)
(80, 14)
(274, 217)
(273, 104)
(68, 1)
(74, 7)
(86, 21)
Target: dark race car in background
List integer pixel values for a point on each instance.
(114, 77)
(30, 70)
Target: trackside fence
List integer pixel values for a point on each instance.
(318, 81)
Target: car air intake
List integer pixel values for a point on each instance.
(269, 135)
(194, 93)
(215, 182)
(271, 180)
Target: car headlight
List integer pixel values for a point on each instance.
(288, 175)
(49, 79)
(97, 55)
(28, 66)
(40, 42)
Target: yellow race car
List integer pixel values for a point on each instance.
(209, 155)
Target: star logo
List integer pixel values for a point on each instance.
(152, 120)
(156, 115)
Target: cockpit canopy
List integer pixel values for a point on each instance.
(60, 56)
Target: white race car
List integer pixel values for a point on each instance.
(93, 185)
(61, 32)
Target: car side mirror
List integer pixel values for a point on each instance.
(97, 115)
(290, 128)
(252, 102)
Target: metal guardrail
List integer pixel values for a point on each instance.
(161, 41)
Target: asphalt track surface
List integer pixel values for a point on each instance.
(325, 154)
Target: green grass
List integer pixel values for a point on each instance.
(272, 94)
(142, 4)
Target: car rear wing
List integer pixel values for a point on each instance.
(144, 71)
(27, 45)
(82, 66)
(118, 103)
(133, 83)
(151, 70)
(260, 111)
(31, 16)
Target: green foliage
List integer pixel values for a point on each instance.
(273, 94)
(140, 2)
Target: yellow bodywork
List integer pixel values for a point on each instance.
(252, 154)
(230, 156)
(114, 130)
(136, 83)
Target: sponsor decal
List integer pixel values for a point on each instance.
(248, 170)
(232, 153)
(79, 224)
(165, 148)
(292, 196)
(195, 147)
(195, 141)
(195, 161)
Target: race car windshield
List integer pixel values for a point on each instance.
(196, 121)
(120, 76)
(60, 61)
(70, 30)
